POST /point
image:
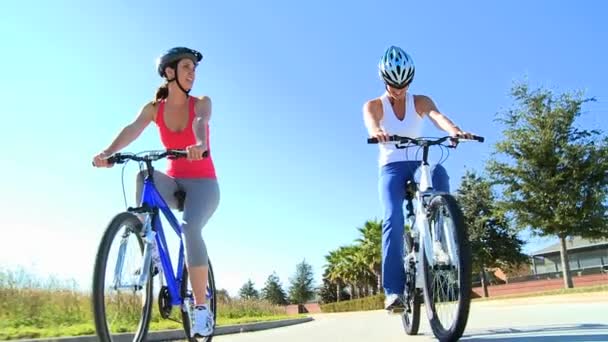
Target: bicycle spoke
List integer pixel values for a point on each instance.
(123, 299)
(120, 304)
(445, 275)
(447, 271)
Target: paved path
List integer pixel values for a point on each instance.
(579, 317)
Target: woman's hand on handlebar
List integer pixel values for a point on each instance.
(462, 135)
(196, 152)
(381, 135)
(101, 160)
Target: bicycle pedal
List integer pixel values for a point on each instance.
(396, 311)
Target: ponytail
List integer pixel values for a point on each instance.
(161, 93)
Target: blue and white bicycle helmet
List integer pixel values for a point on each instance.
(396, 67)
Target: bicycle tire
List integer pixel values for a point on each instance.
(211, 300)
(98, 303)
(456, 329)
(411, 319)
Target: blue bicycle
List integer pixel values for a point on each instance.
(123, 279)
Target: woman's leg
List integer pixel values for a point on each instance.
(393, 178)
(202, 199)
(392, 194)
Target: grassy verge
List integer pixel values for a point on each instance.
(377, 302)
(30, 308)
(585, 289)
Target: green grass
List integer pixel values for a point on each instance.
(584, 289)
(22, 332)
(33, 308)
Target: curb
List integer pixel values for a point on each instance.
(169, 335)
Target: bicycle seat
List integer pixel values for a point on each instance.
(180, 195)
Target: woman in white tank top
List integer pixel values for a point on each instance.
(397, 111)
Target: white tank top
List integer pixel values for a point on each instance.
(411, 126)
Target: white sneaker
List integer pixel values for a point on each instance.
(393, 302)
(203, 322)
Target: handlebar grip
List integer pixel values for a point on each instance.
(375, 140)
(474, 137)
(111, 160)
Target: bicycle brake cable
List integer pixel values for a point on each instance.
(123, 184)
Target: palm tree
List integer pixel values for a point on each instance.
(335, 270)
(371, 248)
(355, 266)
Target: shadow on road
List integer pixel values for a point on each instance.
(574, 333)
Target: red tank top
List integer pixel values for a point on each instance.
(182, 167)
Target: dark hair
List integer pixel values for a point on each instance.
(163, 91)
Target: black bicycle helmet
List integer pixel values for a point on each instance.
(171, 57)
(174, 55)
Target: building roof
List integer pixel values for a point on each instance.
(571, 243)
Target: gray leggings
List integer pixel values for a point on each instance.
(202, 199)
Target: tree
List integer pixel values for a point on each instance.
(222, 296)
(493, 242)
(273, 292)
(555, 182)
(335, 271)
(248, 291)
(302, 289)
(371, 249)
(329, 290)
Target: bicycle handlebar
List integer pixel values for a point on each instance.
(425, 142)
(119, 158)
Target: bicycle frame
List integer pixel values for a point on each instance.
(152, 203)
(419, 224)
(420, 227)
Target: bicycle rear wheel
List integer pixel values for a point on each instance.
(188, 303)
(119, 305)
(447, 282)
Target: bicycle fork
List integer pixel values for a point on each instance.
(411, 260)
(148, 236)
(435, 252)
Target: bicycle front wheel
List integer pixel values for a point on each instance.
(119, 304)
(446, 268)
(188, 303)
(412, 295)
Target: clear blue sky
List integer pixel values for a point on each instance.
(288, 81)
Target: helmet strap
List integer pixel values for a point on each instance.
(178, 84)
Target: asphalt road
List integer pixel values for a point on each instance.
(581, 317)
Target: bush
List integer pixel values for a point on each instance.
(363, 304)
(249, 308)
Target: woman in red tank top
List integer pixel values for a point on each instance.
(183, 123)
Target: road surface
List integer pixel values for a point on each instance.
(579, 317)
